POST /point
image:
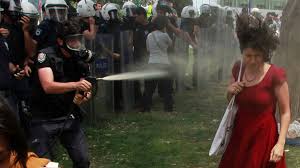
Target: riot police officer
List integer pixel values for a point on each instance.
(205, 19)
(5, 73)
(57, 86)
(188, 15)
(87, 12)
(113, 26)
(13, 22)
(29, 20)
(45, 35)
(129, 14)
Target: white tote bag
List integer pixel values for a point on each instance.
(224, 131)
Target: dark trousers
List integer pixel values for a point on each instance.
(118, 95)
(164, 87)
(195, 68)
(71, 137)
(11, 101)
(137, 93)
(117, 89)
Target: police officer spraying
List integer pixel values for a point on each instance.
(58, 87)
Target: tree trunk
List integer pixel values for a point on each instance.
(288, 53)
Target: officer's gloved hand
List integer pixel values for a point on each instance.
(83, 85)
(116, 56)
(81, 98)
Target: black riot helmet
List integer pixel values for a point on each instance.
(12, 8)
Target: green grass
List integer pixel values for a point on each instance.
(161, 140)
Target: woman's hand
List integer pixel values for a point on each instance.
(235, 88)
(277, 153)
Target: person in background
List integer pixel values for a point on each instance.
(157, 44)
(140, 54)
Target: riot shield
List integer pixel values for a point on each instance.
(219, 44)
(202, 62)
(102, 103)
(231, 52)
(217, 51)
(180, 62)
(227, 48)
(126, 60)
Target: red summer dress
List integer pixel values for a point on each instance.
(255, 129)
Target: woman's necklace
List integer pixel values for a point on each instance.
(251, 80)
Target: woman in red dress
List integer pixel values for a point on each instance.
(255, 142)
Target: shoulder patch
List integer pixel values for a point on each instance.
(41, 57)
(38, 32)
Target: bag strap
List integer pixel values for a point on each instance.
(240, 71)
(238, 80)
(153, 35)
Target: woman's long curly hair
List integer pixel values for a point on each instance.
(253, 33)
(11, 131)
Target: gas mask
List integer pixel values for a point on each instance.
(74, 44)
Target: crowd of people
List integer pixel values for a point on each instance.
(45, 66)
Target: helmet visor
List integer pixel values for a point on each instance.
(205, 9)
(75, 42)
(113, 14)
(131, 12)
(192, 13)
(58, 14)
